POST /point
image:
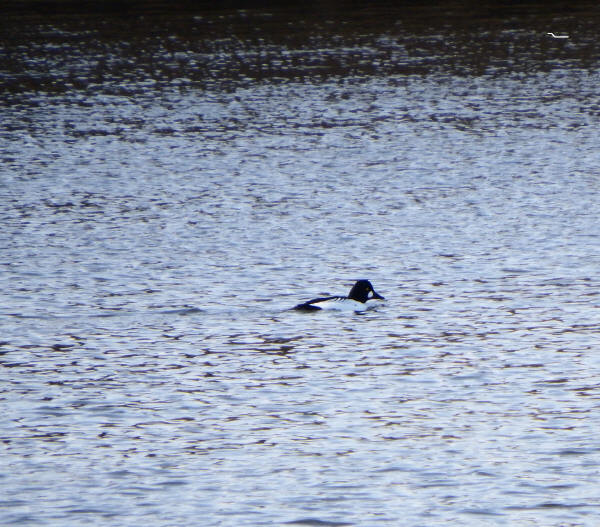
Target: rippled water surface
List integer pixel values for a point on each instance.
(172, 182)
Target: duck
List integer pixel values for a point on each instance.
(358, 299)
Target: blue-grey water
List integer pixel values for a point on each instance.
(168, 192)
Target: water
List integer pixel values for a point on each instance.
(173, 182)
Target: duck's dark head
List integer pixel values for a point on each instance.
(360, 292)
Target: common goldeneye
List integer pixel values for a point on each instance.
(356, 300)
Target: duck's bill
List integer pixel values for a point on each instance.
(377, 296)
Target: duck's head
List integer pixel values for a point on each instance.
(360, 292)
